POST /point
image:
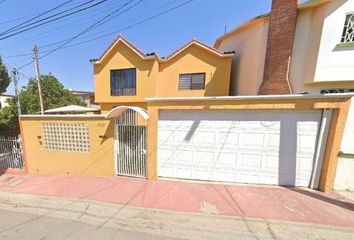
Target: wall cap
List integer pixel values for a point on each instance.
(255, 97)
(68, 116)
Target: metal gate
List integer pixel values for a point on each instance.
(130, 145)
(10, 153)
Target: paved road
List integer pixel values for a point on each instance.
(14, 225)
(34, 217)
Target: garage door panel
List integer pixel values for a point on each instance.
(268, 147)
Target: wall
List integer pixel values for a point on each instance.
(317, 62)
(98, 162)
(160, 78)
(339, 106)
(248, 62)
(344, 175)
(194, 60)
(122, 57)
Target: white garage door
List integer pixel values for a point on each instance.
(266, 147)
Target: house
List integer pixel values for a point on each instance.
(3, 100)
(124, 75)
(298, 48)
(85, 96)
(173, 117)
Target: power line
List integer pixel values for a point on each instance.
(96, 24)
(129, 26)
(52, 20)
(37, 16)
(114, 32)
(70, 25)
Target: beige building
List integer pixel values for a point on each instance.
(298, 48)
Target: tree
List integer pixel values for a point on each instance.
(4, 77)
(53, 92)
(54, 95)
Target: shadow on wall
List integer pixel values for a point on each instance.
(293, 148)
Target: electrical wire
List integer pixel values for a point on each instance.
(52, 20)
(37, 16)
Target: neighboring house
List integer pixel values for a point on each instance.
(298, 48)
(85, 96)
(124, 75)
(3, 100)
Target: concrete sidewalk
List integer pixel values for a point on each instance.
(258, 202)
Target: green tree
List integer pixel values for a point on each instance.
(4, 77)
(54, 95)
(53, 92)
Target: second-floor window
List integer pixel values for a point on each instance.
(123, 82)
(348, 30)
(191, 81)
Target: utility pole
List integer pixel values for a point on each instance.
(39, 82)
(14, 76)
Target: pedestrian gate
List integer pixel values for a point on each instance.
(130, 145)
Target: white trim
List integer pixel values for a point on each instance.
(63, 116)
(200, 45)
(117, 111)
(257, 97)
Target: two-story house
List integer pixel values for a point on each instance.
(124, 75)
(298, 48)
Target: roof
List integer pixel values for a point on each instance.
(261, 18)
(240, 28)
(252, 97)
(71, 109)
(123, 40)
(81, 92)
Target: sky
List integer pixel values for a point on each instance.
(159, 26)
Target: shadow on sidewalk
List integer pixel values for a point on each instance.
(340, 203)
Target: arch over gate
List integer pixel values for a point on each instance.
(129, 140)
(117, 111)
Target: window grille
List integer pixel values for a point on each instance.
(123, 82)
(191, 81)
(68, 137)
(348, 30)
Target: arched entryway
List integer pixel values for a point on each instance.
(130, 140)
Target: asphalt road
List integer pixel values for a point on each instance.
(14, 225)
(43, 218)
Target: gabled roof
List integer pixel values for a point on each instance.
(123, 40)
(260, 18)
(155, 56)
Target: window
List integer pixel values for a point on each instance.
(348, 31)
(68, 137)
(191, 81)
(123, 82)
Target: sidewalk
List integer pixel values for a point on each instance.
(259, 202)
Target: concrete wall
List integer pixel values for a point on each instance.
(339, 107)
(99, 161)
(249, 45)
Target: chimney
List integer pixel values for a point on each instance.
(280, 42)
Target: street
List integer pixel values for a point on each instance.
(30, 226)
(34, 217)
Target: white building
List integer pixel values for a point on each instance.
(311, 51)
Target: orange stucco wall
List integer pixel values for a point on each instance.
(160, 79)
(99, 161)
(339, 106)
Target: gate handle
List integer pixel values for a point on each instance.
(102, 136)
(143, 151)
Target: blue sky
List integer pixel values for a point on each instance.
(201, 19)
